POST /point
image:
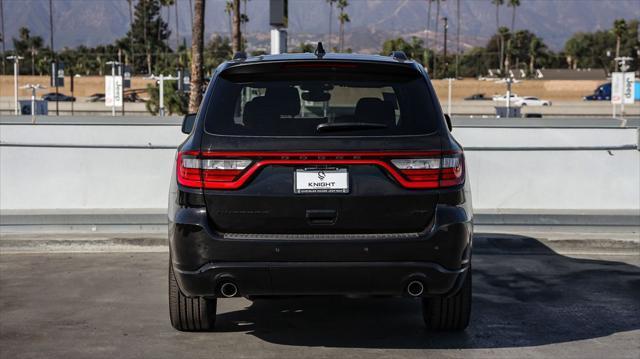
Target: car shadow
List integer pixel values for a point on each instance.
(524, 294)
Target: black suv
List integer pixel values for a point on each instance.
(320, 174)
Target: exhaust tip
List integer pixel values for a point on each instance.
(228, 290)
(415, 288)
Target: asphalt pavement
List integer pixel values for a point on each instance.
(528, 301)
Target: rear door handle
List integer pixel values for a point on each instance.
(322, 216)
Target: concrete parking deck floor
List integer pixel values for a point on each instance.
(528, 302)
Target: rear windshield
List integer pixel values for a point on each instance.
(320, 101)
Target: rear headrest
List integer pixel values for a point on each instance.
(374, 110)
(257, 113)
(285, 100)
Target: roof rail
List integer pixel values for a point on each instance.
(240, 55)
(399, 55)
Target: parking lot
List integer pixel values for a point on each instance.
(529, 301)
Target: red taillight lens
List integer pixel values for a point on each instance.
(194, 170)
(433, 172)
(231, 170)
(452, 170)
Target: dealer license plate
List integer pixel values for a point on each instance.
(334, 180)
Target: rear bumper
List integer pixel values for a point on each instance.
(320, 278)
(204, 259)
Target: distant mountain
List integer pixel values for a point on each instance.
(92, 22)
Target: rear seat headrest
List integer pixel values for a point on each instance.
(285, 100)
(375, 110)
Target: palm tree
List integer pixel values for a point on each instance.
(175, 3)
(228, 8)
(435, 43)
(236, 33)
(197, 46)
(147, 46)
(513, 4)
(244, 19)
(457, 36)
(191, 12)
(343, 17)
(35, 44)
(497, 3)
(503, 33)
(619, 28)
(536, 48)
(330, 2)
(132, 60)
(427, 38)
(2, 37)
(167, 4)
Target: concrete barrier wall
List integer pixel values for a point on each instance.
(76, 167)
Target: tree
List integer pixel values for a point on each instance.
(498, 3)
(197, 45)
(343, 18)
(513, 4)
(131, 54)
(427, 38)
(175, 3)
(536, 49)
(304, 47)
(619, 29)
(217, 50)
(236, 33)
(414, 49)
(174, 101)
(435, 42)
(28, 47)
(228, 9)
(476, 62)
(458, 17)
(505, 36)
(3, 38)
(147, 35)
(330, 2)
(166, 4)
(596, 49)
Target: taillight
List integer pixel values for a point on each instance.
(432, 172)
(231, 170)
(214, 173)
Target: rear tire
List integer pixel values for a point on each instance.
(449, 313)
(189, 314)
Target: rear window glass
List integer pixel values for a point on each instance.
(320, 101)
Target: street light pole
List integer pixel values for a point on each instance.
(33, 88)
(53, 54)
(446, 63)
(16, 60)
(161, 95)
(161, 80)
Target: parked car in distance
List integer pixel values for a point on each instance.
(530, 101)
(504, 97)
(96, 97)
(133, 97)
(52, 96)
(279, 191)
(128, 97)
(477, 97)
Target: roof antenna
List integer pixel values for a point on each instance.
(320, 50)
